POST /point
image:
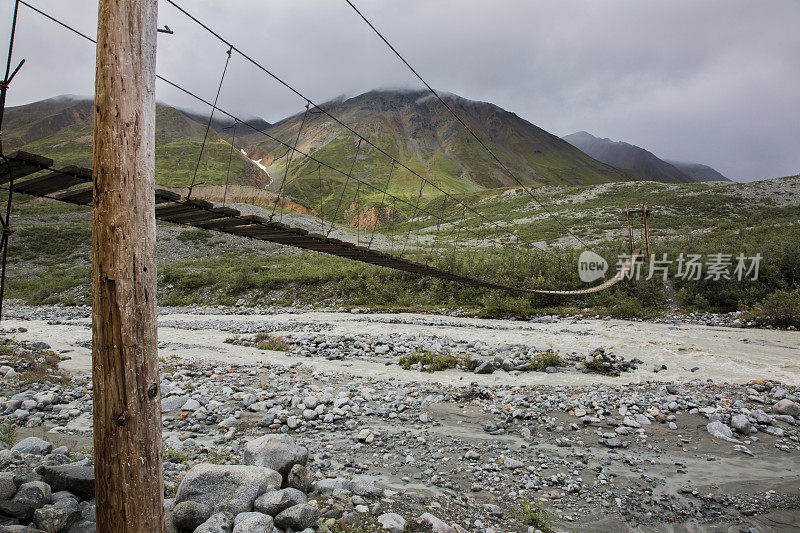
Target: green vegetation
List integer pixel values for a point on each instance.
(175, 456)
(430, 362)
(265, 342)
(533, 513)
(542, 360)
(198, 236)
(8, 432)
(781, 308)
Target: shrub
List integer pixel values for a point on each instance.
(430, 362)
(542, 360)
(8, 432)
(781, 308)
(534, 514)
(265, 342)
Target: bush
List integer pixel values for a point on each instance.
(430, 362)
(781, 308)
(540, 361)
(534, 514)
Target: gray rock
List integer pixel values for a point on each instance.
(392, 522)
(33, 445)
(272, 503)
(189, 515)
(85, 526)
(253, 523)
(278, 452)
(437, 526)
(364, 486)
(327, 486)
(78, 479)
(298, 517)
(228, 488)
(29, 497)
(171, 403)
(58, 517)
(299, 478)
(7, 486)
(783, 407)
(217, 523)
(740, 424)
(485, 367)
(719, 430)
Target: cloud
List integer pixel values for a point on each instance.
(714, 81)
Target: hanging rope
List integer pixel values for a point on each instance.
(210, 119)
(413, 217)
(321, 204)
(289, 164)
(383, 205)
(346, 182)
(230, 158)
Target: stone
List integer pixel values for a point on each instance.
(253, 523)
(217, 523)
(33, 445)
(58, 517)
(272, 503)
(7, 486)
(189, 515)
(76, 478)
(392, 522)
(364, 486)
(437, 526)
(719, 430)
(171, 403)
(328, 486)
(485, 367)
(298, 478)
(740, 424)
(298, 517)
(783, 407)
(30, 496)
(278, 452)
(228, 488)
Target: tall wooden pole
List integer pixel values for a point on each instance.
(127, 410)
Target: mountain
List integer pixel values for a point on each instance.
(61, 128)
(416, 129)
(622, 155)
(697, 171)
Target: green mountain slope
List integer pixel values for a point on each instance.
(698, 171)
(420, 132)
(61, 128)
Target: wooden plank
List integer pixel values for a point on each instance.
(163, 195)
(81, 196)
(20, 164)
(54, 181)
(164, 210)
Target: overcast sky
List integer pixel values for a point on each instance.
(715, 82)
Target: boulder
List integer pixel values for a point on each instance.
(719, 430)
(437, 526)
(783, 407)
(217, 523)
(364, 486)
(76, 478)
(228, 488)
(189, 515)
(253, 523)
(741, 424)
(29, 497)
(298, 478)
(392, 522)
(33, 445)
(327, 486)
(484, 368)
(7, 486)
(58, 517)
(171, 403)
(298, 517)
(272, 503)
(278, 452)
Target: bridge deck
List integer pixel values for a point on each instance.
(171, 207)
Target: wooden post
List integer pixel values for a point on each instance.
(630, 230)
(646, 231)
(127, 410)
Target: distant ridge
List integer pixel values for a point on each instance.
(642, 163)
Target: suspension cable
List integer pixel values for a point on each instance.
(289, 164)
(436, 94)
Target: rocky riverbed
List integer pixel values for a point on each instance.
(331, 433)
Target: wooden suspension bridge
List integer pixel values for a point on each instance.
(72, 184)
